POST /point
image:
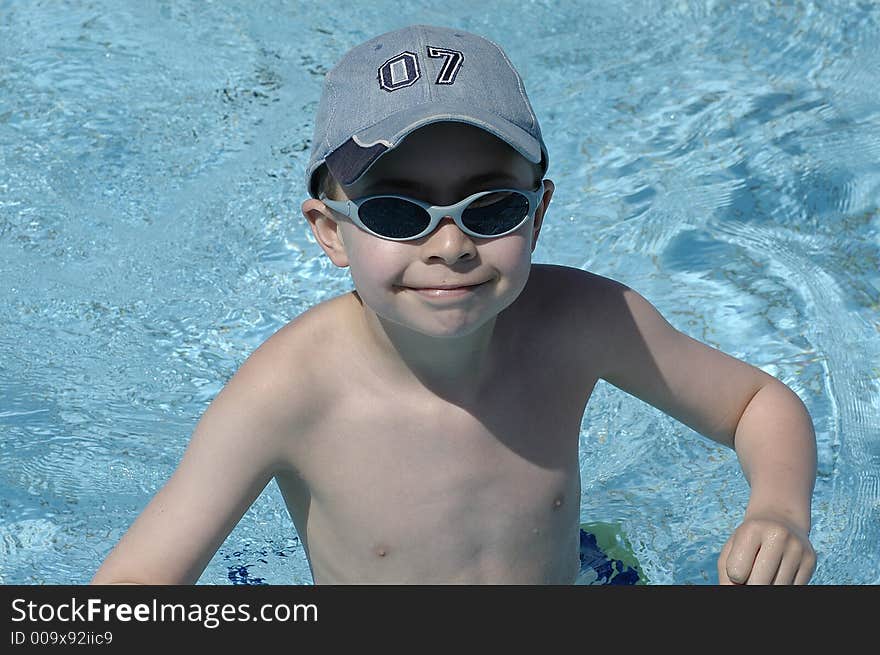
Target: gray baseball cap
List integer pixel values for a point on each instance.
(384, 88)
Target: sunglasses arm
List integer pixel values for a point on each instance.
(344, 208)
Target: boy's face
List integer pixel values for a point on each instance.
(441, 164)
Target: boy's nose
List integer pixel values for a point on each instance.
(449, 243)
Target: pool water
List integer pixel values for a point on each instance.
(723, 159)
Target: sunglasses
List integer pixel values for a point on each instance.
(484, 215)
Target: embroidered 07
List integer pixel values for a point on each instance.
(403, 69)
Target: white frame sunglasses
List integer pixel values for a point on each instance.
(351, 208)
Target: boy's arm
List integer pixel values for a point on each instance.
(776, 446)
(234, 452)
(733, 403)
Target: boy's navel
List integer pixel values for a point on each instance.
(557, 503)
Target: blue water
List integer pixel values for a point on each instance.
(719, 157)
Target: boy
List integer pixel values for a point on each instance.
(424, 428)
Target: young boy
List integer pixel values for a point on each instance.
(424, 428)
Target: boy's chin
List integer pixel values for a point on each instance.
(453, 332)
(442, 328)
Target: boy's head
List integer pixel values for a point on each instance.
(384, 89)
(441, 117)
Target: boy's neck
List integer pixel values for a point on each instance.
(454, 368)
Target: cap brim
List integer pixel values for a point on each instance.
(353, 158)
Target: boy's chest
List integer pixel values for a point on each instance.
(373, 439)
(443, 491)
(477, 487)
(527, 415)
(516, 448)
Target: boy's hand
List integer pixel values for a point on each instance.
(767, 550)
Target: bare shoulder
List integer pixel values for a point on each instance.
(605, 320)
(288, 374)
(628, 342)
(566, 285)
(587, 306)
(279, 391)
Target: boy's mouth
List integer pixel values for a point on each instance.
(447, 290)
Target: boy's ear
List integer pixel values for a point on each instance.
(326, 231)
(549, 187)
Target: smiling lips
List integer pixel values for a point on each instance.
(446, 290)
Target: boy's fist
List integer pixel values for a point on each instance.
(766, 550)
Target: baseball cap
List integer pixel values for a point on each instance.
(384, 88)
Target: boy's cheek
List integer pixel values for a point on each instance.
(371, 269)
(511, 254)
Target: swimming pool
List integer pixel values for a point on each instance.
(721, 158)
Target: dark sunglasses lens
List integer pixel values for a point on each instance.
(393, 217)
(496, 213)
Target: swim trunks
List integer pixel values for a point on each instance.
(606, 557)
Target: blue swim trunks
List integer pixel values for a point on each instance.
(601, 566)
